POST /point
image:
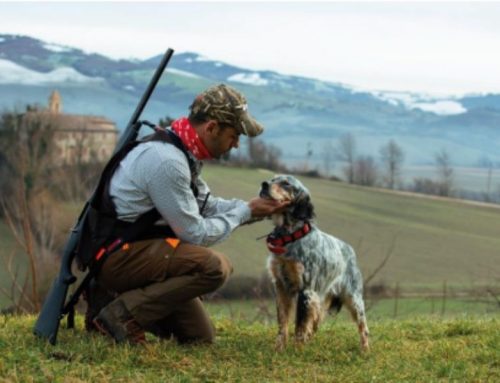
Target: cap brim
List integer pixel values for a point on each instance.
(249, 126)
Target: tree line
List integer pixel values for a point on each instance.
(364, 170)
(384, 171)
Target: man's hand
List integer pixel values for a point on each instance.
(263, 207)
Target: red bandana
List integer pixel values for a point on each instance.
(190, 139)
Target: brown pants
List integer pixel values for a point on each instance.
(161, 286)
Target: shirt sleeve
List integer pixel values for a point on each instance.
(214, 205)
(170, 191)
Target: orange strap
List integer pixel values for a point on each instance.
(174, 242)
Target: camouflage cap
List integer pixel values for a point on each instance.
(227, 106)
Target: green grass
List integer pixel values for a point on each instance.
(418, 350)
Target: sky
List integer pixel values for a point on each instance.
(449, 48)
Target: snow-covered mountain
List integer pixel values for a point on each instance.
(296, 111)
(12, 73)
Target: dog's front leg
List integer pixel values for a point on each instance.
(284, 304)
(308, 315)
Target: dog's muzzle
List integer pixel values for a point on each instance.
(264, 190)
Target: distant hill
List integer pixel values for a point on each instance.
(296, 110)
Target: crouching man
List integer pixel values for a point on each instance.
(156, 282)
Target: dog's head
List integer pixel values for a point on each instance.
(288, 188)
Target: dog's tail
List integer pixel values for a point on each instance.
(335, 305)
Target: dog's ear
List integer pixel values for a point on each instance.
(303, 209)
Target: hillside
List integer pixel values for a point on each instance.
(417, 350)
(433, 240)
(295, 110)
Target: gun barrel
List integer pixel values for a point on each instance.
(132, 127)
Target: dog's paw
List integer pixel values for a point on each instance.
(280, 343)
(365, 346)
(301, 338)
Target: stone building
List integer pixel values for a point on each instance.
(80, 138)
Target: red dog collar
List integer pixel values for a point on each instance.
(277, 245)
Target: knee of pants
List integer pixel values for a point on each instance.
(217, 267)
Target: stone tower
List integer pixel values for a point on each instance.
(55, 104)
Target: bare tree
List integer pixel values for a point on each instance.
(486, 163)
(6, 172)
(392, 157)
(374, 291)
(347, 153)
(445, 173)
(309, 153)
(264, 156)
(425, 186)
(365, 171)
(328, 157)
(27, 146)
(381, 265)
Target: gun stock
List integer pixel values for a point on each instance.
(47, 324)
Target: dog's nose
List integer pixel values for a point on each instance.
(264, 190)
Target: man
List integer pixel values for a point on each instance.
(157, 282)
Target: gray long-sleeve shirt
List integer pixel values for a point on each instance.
(156, 174)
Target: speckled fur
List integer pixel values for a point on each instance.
(316, 272)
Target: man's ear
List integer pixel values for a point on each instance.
(212, 127)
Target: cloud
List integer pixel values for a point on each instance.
(439, 48)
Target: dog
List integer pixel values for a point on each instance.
(311, 270)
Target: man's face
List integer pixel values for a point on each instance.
(221, 140)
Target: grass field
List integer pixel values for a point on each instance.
(418, 350)
(434, 240)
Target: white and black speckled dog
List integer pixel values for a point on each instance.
(311, 270)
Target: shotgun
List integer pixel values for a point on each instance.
(54, 308)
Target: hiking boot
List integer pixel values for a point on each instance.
(97, 298)
(115, 320)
